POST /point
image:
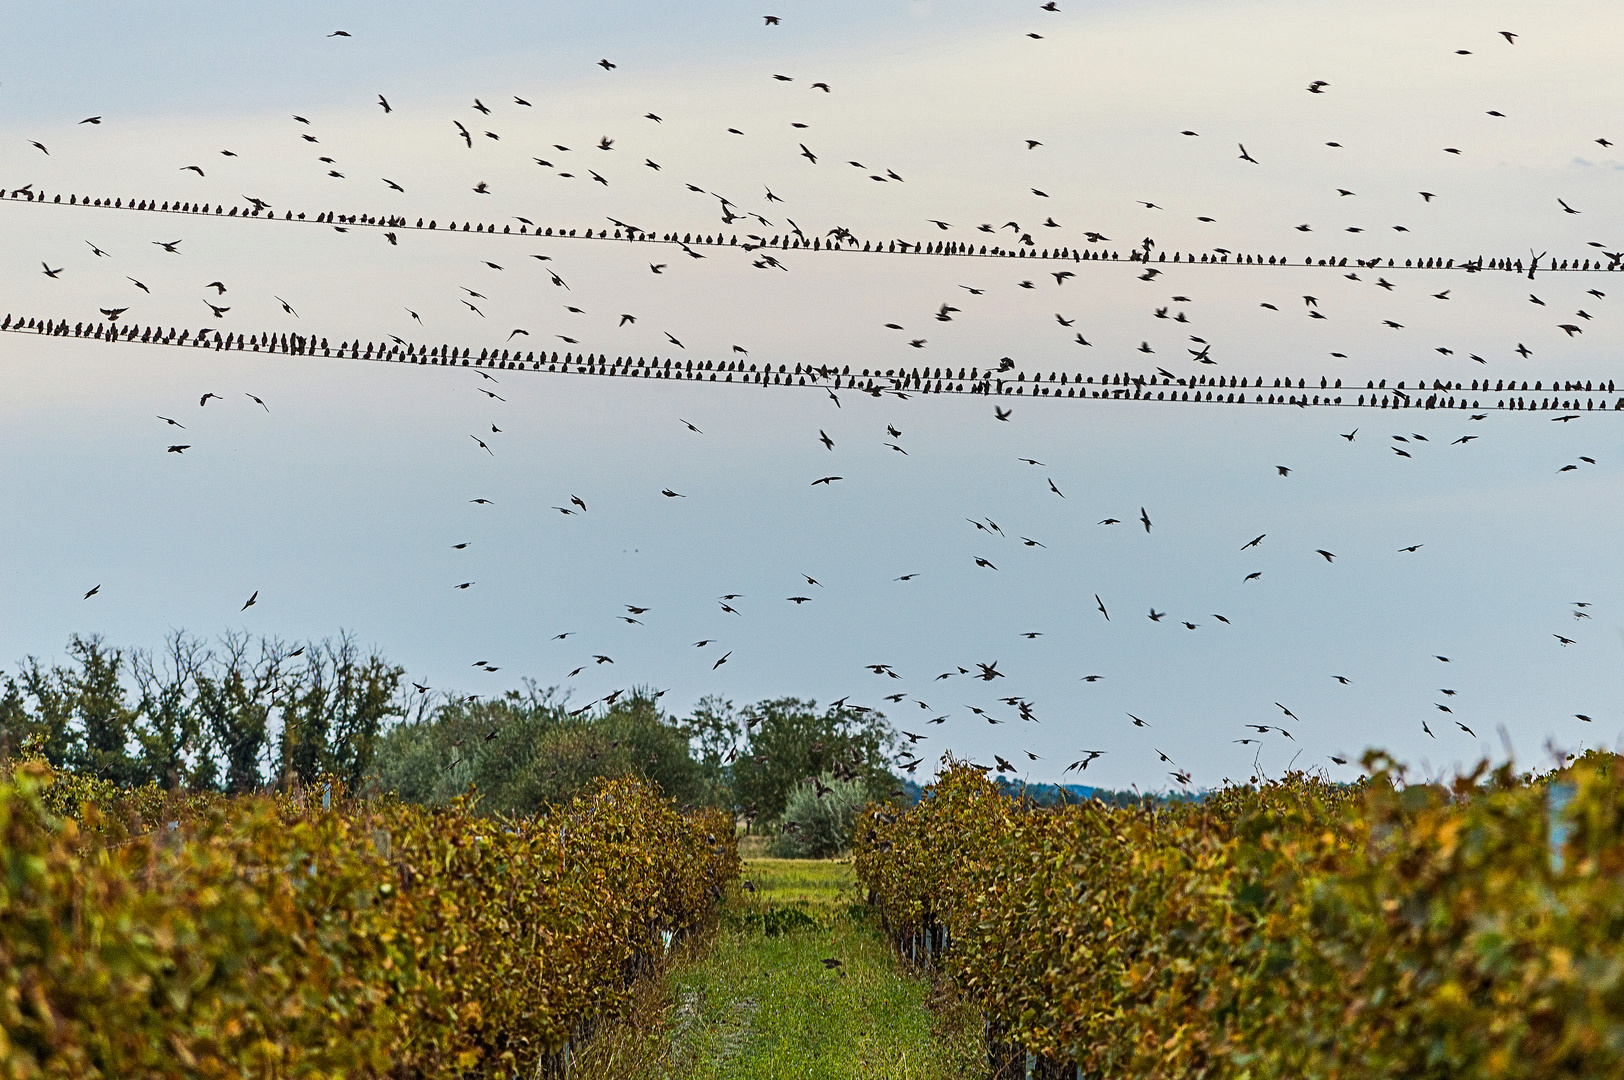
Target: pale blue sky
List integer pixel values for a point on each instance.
(340, 505)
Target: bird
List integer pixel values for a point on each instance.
(722, 661)
(258, 402)
(219, 312)
(1157, 616)
(40, 147)
(1248, 157)
(169, 247)
(251, 600)
(1254, 542)
(52, 273)
(204, 400)
(1144, 518)
(668, 493)
(192, 168)
(1327, 555)
(1566, 207)
(606, 65)
(1056, 490)
(1282, 470)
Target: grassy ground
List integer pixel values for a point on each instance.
(756, 1002)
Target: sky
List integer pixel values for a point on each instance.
(339, 500)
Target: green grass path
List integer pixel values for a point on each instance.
(754, 1005)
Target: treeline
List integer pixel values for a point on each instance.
(242, 714)
(233, 717)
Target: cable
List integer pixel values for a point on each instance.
(904, 383)
(838, 240)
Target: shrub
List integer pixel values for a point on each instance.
(818, 826)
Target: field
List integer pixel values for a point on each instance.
(754, 1001)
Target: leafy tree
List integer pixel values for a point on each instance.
(333, 709)
(448, 742)
(234, 696)
(80, 718)
(16, 725)
(524, 750)
(631, 738)
(713, 732)
(172, 735)
(817, 822)
(790, 740)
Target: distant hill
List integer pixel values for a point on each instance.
(1053, 794)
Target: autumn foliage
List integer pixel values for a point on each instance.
(1298, 929)
(147, 934)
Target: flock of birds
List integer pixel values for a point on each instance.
(767, 250)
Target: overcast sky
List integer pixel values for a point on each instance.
(341, 503)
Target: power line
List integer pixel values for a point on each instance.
(904, 383)
(837, 240)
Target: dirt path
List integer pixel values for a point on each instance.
(758, 1001)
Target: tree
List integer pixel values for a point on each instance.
(80, 718)
(789, 741)
(234, 697)
(632, 737)
(15, 724)
(332, 711)
(524, 751)
(713, 733)
(444, 745)
(172, 734)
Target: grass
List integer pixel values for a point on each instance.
(754, 1000)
